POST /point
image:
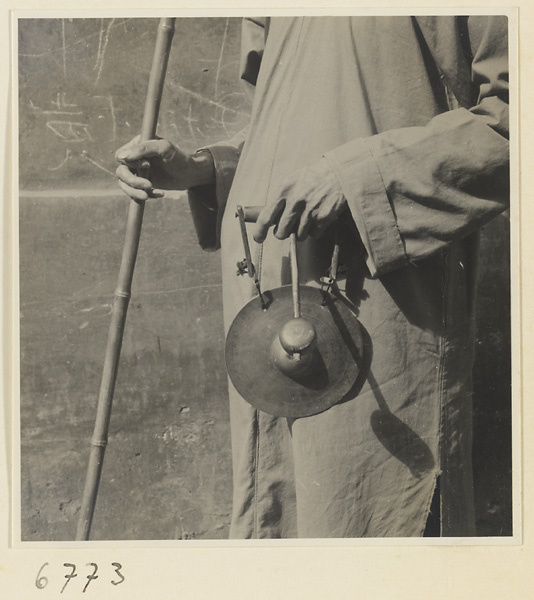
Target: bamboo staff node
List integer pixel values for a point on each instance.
(123, 291)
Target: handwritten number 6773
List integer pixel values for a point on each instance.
(41, 581)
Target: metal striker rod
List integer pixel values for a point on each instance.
(249, 214)
(242, 220)
(123, 290)
(294, 275)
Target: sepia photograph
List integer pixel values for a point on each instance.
(264, 270)
(266, 303)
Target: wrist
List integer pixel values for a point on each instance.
(203, 168)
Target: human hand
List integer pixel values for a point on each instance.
(170, 168)
(307, 203)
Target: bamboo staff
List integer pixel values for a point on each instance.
(122, 294)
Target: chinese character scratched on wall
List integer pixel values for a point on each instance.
(82, 84)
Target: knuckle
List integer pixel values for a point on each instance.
(262, 222)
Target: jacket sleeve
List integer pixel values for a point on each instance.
(414, 190)
(207, 202)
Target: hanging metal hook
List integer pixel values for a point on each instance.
(247, 266)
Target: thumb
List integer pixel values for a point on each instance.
(140, 150)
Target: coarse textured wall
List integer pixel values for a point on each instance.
(82, 87)
(167, 468)
(167, 473)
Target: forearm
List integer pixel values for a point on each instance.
(207, 201)
(412, 191)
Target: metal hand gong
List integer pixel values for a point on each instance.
(293, 351)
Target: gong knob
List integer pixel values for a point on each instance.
(293, 349)
(297, 335)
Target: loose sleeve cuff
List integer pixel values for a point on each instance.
(369, 204)
(207, 202)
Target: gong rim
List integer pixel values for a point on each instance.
(262, 384)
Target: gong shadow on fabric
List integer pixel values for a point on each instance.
(395, 435)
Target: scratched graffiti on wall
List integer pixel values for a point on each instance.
(76, 127)
(82, 84)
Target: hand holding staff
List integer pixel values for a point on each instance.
(170, 168)
(122, 294)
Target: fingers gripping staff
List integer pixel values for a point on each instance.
(122, 294)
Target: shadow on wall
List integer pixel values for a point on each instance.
(492, 453)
